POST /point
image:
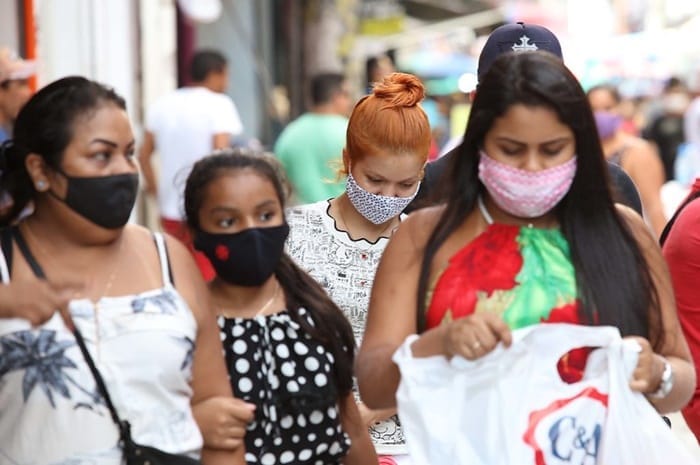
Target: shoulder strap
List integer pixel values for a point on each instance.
(672, 221)
(123, 425)
(6, 255)
(24, 249)
(164, 259)
(101, 387)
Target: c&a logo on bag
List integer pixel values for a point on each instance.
(568, 431)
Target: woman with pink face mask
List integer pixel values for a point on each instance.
(340, 241)
(637, 157)
(529, 234)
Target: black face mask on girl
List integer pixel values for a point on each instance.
(106, 201)
(246, 258)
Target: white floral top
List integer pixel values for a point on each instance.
(345, 268)
(142, 344)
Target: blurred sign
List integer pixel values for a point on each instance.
(381, 17)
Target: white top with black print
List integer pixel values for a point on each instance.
(345, 268)
(142, 344)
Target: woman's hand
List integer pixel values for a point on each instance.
(223, 421)
(475, 335)
(35, 300)
(650, 367)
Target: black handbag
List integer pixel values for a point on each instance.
(134, 454)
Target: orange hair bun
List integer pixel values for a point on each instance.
(400, 89)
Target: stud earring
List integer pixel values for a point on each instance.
(40, 185)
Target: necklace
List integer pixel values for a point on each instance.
(269, 302)
(265, 306)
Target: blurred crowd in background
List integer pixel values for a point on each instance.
(318, 93)
(642, 50)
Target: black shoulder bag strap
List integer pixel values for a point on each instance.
(124, 427)
(28, 256)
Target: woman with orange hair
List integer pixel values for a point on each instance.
(340, 241)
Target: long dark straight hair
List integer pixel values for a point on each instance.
(613, 278)
(331, 327)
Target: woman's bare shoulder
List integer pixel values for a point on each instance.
(136, 230)
(638, 145)
(144, 237)
(421, 223)
(143, 242)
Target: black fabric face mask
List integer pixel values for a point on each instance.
(246, 258)
(106, 201)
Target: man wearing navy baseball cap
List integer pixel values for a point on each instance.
(518, 37)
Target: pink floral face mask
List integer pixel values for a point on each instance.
(525, 194)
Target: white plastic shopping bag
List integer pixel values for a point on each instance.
(511, 407)
(634, 431)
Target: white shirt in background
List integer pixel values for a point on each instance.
(184, 123)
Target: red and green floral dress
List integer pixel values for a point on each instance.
(524, 274)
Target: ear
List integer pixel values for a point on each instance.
(472, 96)
(38, 172)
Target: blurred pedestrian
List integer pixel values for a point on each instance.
(529, 235)
(184, 126)
(665, 129)
(518, 38)
(341, 241)
(14, 89)
(137, 297)
(686, 167)
(377, 68)
(289, 350)
(635, 155)
(310, 146)
(681, 249)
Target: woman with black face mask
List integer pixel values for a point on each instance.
(136, 297)
(288, 347)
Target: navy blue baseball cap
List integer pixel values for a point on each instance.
(518, 37)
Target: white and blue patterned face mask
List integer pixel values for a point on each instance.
(376, 208)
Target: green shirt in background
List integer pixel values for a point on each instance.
(311, 148)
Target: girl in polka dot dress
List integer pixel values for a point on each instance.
(288, 347)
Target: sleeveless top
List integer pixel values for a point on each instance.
(276, 365)
(521, 273)
(142, 344)
(345, 268)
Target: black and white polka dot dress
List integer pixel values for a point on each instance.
(276, 365)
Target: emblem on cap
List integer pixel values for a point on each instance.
(524, 45)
